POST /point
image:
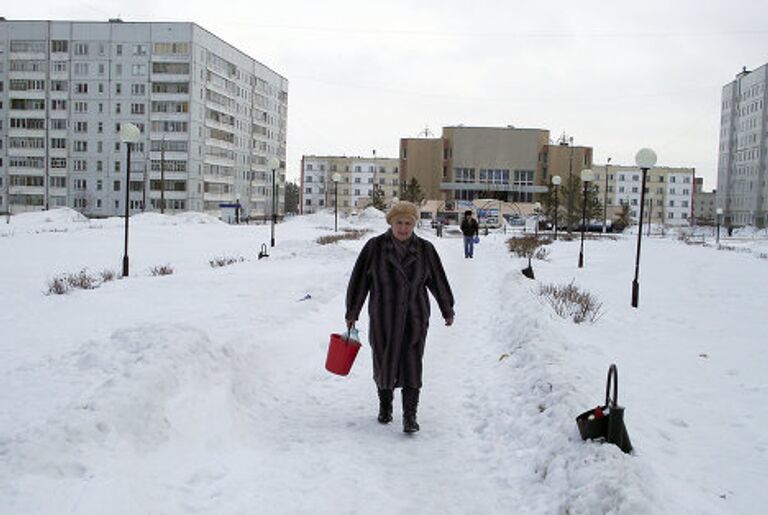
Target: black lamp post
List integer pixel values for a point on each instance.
(586, 178)
(129, 134)
(274, 164)
(336, 177)
(605, 199)
(719, 216)
(556, 180)
(645, 159)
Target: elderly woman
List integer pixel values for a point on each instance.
(397, 268)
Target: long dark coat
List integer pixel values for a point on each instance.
(398, 305)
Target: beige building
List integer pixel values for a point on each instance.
(424, 159)
(358, 178)
(505, 163)
(704, 204)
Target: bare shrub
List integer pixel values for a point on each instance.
(541, 254)
(527, 246)
(58, 286)
(219, 262)
(570, 302)
(108, 275)
(161, 270)
(348, 234)
(82, 280)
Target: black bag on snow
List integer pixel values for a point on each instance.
(606, 421)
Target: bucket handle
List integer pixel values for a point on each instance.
(351, 334)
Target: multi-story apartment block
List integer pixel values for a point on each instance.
(210, 118)
(742, 168)
(358, 178)
(668, 192)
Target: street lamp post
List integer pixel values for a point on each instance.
(336, 177)
(536, 210)
(129, 134)
(605, 199)
(556, 180)
(645, 159)
(586, 178)
(719, 216)
(274, 164)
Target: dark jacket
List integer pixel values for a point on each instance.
(398, 305)
(469, 227)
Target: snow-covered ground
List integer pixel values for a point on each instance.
(204, 391)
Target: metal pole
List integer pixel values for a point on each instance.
(336, 206)
(557, 208)
(605, 198)
(583, 226)
(636, 282)
(127, 200)
(718, 229)
(274, 215)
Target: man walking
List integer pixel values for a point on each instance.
(470, 230)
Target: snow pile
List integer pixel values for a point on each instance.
(59, 219)
(371, 214)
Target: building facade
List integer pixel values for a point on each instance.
(358, 178)
(742, 169)
(210, 119)
(668, 192)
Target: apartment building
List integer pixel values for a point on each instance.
(742, 169)
(210, 119)
(668, 192)
(358, 178)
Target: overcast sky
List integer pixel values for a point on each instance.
(616, 76)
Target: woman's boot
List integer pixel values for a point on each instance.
(410, 405)
(385, 406)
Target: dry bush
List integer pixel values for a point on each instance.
(83, 281)
(218, 262)
(61, 284)
(57, 286)
(348, 234)
(528, 245)
(108, 275)
(570, 302)
(161, 270)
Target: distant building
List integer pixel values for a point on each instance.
(742, 169)
(210, 118)
(504, 163)
(358, 178)
(704, 204)
(668, 197)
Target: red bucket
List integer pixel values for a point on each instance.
(341, 354)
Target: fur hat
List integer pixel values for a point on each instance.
(403, 209)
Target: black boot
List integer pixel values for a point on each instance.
(385, 406)
(410, 405)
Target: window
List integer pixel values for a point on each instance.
(81, 48)
(59, 46)
(671, 203)
(137, 108)
(80, 146)
(81, 87)
(58, 105)
(116, 186)
(58, 162)
(139, 49)
(81, 107)
(81, 69)
(138, 69)
(58, 143)
(81, 126)
(79, 165)
(138, 89)
(119, 49)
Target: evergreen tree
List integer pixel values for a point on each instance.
(377, 198)
(571, 202)
(411, 191)
(291, 197)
